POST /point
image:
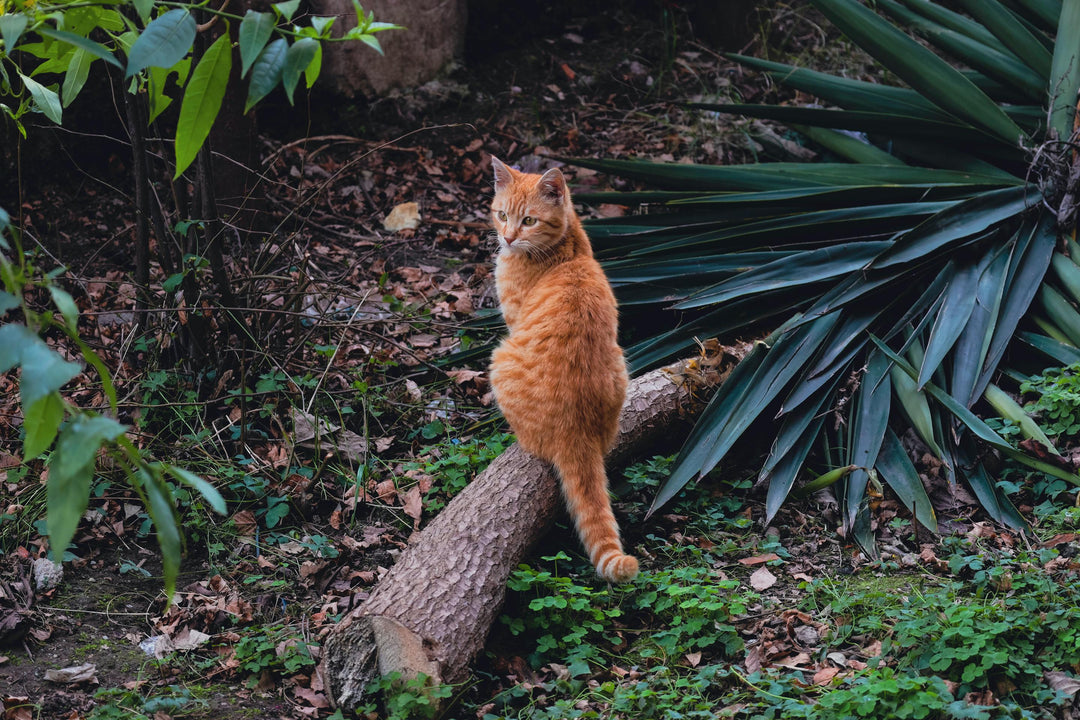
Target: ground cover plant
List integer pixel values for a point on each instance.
(341, 433)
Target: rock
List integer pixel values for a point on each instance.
(47, 574)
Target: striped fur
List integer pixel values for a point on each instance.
(559, 377)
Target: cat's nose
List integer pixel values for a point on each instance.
(509, 238)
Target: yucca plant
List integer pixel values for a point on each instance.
(897, 277)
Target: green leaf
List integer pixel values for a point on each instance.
(891, 123)
(847, 146)
(372, 42)
(255, 31)
(1057, 351)
(1006, 27)
(731, 411)
(947, 18)
(311, 73)
(951, 318)
(44, 371)
(202, 101)
(919, 67)
(869, 422)
(166, 41)
(848, 93)
(70, 469)
(7, 302)
(86, 44)
(287, 9)
(968, 218)
(12, 26)
(894, 466)
(66, 305)
(779, 176)
(297, 59)
(1032, 252)
(997, 64)
(160, 506)
(75, 77)
(45, 99)
(800, 269)
(793, 443)
(970, 352)
(266, 72)
(158, 80)
(144, 8)
(1065, 70)
(40, 423)
(322, 25)
(203, 487)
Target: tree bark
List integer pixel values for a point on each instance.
(432, 612)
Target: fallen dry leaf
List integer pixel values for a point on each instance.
(762, 579)
(825, 675)
(405, 216)
(74, 674)
(759, 559)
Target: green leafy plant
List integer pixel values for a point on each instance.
(1058, 401)
(408, 699)
(158, 40)
(76, 436)
(897, 276)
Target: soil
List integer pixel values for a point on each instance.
(603, 85)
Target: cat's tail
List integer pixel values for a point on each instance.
(584, 483)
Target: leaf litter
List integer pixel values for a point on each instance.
(381, 256)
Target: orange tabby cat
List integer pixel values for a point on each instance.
(559, 378)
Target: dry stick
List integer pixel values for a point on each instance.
(432, 612)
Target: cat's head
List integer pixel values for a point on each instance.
(530, 212)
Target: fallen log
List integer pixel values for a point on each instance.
(432, 612)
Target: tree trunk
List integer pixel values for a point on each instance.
(432, 612)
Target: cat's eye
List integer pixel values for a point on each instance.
(528, 220)
(501, 215)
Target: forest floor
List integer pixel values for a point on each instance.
(367, 309)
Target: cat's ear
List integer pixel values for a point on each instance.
(553, 186)
(503, 178)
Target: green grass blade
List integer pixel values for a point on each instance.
(924, 71)
(1065, 70)
(895, 468)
